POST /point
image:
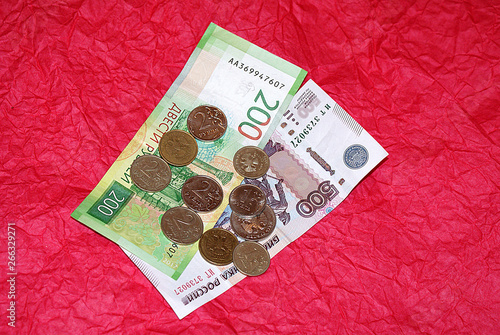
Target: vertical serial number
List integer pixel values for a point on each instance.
(306, 131)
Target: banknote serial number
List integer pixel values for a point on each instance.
(188, 284)
(306, 131)
(256, 73)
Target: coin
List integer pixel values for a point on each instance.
(182, 225)
(247, 200)
(216, 246)
(207, 123)
(254, 228)
(251, 258)
(202, 193)
(150, 173)
(178, 147)
(251, 162)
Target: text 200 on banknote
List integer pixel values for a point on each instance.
(256, 123)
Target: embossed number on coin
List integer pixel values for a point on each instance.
(254, 228)
(251, 258)
(182, 225)
(202, 193)
(207, 123)
(251, 162)
(216, 246)
(247, 200)
(150, 173)
(178, 147)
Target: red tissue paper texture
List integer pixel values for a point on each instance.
(414, 249)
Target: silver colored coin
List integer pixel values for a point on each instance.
(150, 173)
(251, 258)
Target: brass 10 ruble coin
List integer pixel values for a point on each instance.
(207, 123)
(247, 200)
(254, 228)
(150, 173)
(202, 193)
(216, 246)
(251, 258)
(251, 162)
(182, 225)
(178, 147)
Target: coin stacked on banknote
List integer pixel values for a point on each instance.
(182, 225)
(202, 193)
(251, 258)
(207, 123)
(247, 200)
(216, 246)
(178, 147)
(251, 162)
(150, 173)
(254, 228)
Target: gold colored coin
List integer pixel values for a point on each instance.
(251, 162)
(216, 246)
(178, 147)
(251, 258)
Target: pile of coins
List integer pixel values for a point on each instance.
(251, 219)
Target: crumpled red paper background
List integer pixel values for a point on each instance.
(414, 249)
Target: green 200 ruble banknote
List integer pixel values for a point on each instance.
(252, 86)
